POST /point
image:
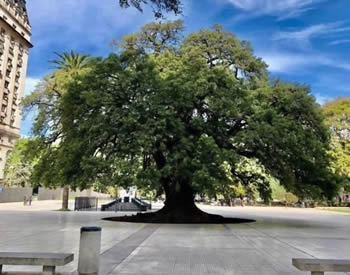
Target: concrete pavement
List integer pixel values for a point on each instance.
(264, 247)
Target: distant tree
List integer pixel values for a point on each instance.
(159, 6)
(18, 168)
(337, 114)
(183, 119)
(279, 193)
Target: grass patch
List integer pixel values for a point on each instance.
(337, 209)
(63, 210)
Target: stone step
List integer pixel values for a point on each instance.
(123, 206)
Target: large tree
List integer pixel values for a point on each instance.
(183, 118)
(45, 101)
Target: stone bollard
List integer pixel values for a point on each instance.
(89, 250)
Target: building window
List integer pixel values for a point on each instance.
(12, 42)
(2, 35)
(9, 67)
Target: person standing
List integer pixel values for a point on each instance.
(242, 202)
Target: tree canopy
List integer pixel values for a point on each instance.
(158, 6)
(186, 118)
(71, 62)
(337, 114)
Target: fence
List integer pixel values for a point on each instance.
(85, 203)
(15, 194)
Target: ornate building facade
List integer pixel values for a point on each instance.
(15, 34)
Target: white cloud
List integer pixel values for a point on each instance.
(283, 9)
(305, 35)
(288, 62)
(340, 41)
(281, 63)
(30, 85)
(322, 99)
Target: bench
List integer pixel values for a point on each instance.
(49, 261)
(320, 266)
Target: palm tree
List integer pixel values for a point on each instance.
(71, 61)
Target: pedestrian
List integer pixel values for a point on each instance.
(25, 200)
(242, 202)
(30, 200)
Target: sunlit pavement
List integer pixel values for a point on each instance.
(264, 247)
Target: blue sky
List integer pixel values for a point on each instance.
(305, 41)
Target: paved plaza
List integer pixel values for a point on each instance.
(264, 247)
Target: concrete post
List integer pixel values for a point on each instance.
(89, 250)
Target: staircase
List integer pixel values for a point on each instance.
(135, 205)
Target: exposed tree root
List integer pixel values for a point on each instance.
(178, 216)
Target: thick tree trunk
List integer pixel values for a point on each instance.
(65, 198)
(179, 206)
(179, 196)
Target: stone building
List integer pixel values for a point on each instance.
(15, 34)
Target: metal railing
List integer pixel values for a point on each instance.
(140, 204)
